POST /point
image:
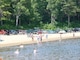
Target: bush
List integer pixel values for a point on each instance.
(49, 26)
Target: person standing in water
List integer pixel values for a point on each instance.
(35, 51)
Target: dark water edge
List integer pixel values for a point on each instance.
(68, 49)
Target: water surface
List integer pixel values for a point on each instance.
(64, 50)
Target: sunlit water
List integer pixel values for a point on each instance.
(64, 50)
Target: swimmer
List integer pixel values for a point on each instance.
(16, 52)
(21, 46)
(35, 51)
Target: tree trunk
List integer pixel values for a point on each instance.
(17, 19)
(1, 22)
(68, 21)
(78, 17)
(52, 19)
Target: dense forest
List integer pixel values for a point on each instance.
(45, 14)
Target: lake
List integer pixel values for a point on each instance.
(58, 50)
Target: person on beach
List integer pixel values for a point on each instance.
(46, 36)
(73, 34)
(40, 37)
(32, 37)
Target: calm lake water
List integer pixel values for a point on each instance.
(64, 50)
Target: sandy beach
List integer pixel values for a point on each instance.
(12, 40)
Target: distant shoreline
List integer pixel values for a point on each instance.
(13, 40)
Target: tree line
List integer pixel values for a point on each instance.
(46, 14)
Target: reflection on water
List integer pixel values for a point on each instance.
(64, 50)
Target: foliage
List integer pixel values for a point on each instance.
(47, 14)
(49, 26)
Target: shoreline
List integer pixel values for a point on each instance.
(13, 40)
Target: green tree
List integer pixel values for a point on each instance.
(78, 9)
(69, 8)
(4, 10)
(39, 11)
(53, 7)
(36, 15)
(19, 8)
